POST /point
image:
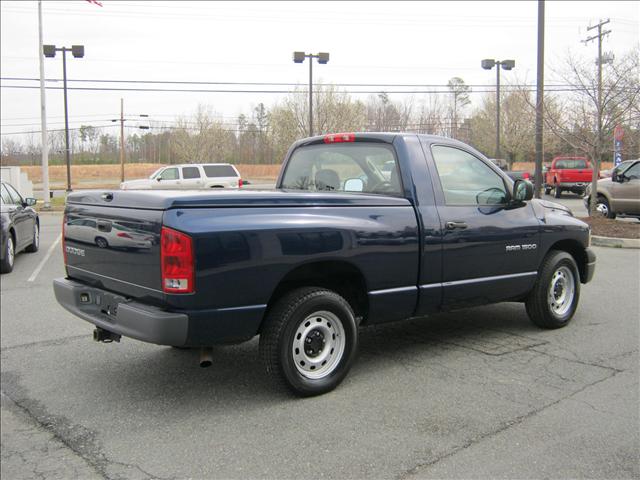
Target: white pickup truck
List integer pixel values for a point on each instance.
(188, 177)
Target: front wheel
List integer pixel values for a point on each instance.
(309, 341)
(603, 208)
(554, 298)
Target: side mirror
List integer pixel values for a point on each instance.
(30, 202)
(158, 178)
(522, 190)
(354, 185)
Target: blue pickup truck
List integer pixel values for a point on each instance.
(337, 245)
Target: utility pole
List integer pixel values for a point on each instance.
(597, 160)
(539, 102)
(122, 139)
(43, 116)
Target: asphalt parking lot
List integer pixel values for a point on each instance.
(479, 393)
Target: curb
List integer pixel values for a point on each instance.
(615, 242)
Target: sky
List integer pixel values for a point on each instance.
(390, 43)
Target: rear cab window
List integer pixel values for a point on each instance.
(346, 167)
(571, 163)
(215, 171)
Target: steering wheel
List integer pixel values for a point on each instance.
(382, 187)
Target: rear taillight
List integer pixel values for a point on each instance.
(239, 183)
(64, 247)
(176, 257)
(340, 137)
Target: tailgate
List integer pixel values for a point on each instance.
(115, 248)
(577, 175)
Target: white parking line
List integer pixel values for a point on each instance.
(44, 260)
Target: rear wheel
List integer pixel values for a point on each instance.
(554, 298)
(6, 265)
(35, 242)
(557, 193)
(309, 341)
(101, 242)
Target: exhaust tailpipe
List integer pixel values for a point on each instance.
(206, 357)
(105, 336)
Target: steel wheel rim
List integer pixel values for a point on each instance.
(36, 236)
(602, 209)
(10, 251)
(318, 345)
(561, 291)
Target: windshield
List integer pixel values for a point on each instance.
(352, 167)
(155, 174)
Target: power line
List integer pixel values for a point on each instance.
(355, 92)
(287, 84)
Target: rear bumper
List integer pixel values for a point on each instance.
(118, 315)
(590, 266)
(148, 323)
(573, 185)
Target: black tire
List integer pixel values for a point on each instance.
(299, 318)
(35, 241)
(556, 266)
(557, 192)
(6, 264)
(602, 206)
(101, 242)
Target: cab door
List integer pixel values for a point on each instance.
(490, 245)
(168, 179)
(625, 193)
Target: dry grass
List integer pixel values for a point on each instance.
(109, 175)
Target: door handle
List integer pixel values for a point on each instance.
(454, 225)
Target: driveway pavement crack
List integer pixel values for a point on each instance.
(77, 438)
(501, 428)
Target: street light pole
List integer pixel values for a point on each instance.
(488, 64)
(67, 148)
(498, 113)
(122, 139)
(310, 97)
(323, 58)
(78, 52)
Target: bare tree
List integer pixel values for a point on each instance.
(575, 119)
(460, 99)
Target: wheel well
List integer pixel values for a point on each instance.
(341, 277)
(577, 251)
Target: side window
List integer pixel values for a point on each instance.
(467, 180)
(170, 174)
(4, 196)
(633, 172)
(190, 172)
(16, 198)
